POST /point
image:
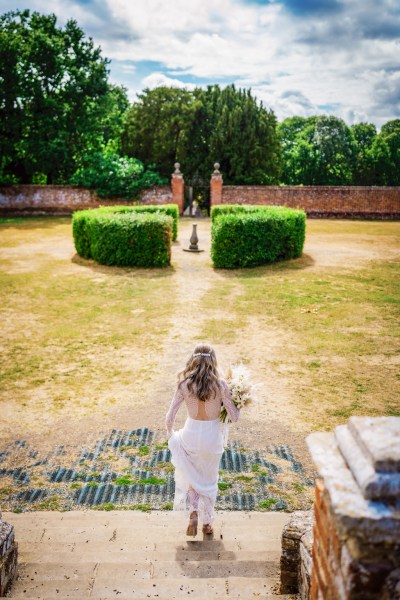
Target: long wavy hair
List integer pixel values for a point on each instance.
(201, 373)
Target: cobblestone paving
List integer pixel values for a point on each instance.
(132, 470)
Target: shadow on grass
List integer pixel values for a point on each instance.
(150, 273)
(295, 264)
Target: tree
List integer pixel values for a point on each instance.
(115, 176)
(53, 90)
(364, 135)
(318, 151)
(200, 127)
(244, 139)
(390, 134)
(157, 126)
(378, 166)
(296, 148)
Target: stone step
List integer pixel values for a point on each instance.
(168, 588)
(129, 556)
(149, 545)
(154, 568)
(138, 555)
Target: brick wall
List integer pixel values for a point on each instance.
(356, 533)
(57, 199)
(322, 201)
(296, 561)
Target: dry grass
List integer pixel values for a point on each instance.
(79, 339)
(342, 323)
(74, 335)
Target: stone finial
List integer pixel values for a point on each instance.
(177, 167)
(216, 169)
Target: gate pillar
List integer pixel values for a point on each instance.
(177, 185)
(216, 187)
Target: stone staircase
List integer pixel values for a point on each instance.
(136, 555)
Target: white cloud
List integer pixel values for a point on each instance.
(295, 63)
(159, 79)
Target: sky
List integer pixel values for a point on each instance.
(299, 57)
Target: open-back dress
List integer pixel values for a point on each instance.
(196, 449)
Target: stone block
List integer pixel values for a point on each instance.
(6, 537)
(298, 527)
(392, 587)
(379, 438)
(364, 464)
(8, 568)
(356, 548)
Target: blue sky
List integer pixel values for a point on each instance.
(300, 57)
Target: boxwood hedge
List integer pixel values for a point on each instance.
(171, 210)
(247, 236)
(123, 237)
(235, 209)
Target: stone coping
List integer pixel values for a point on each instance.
(373, 520)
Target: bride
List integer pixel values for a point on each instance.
(197, 448)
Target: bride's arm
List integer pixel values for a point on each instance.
(173, 409)
(231, 408)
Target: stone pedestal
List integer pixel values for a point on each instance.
(216, 187)
(8, 557)
(356, 549)
(178, 187)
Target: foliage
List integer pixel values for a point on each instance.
(390, 134)
(128, 238)
(114, 176)
(197, 128)
(317, 151)
(55, 100)
(234, 209)
(171, 210)
(157, 127)
(246, 238)
(325, 151)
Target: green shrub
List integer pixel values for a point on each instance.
(256, 235)
(171, 210)
(114, 176)
(234, 209)
(80, 232)
(123, 237)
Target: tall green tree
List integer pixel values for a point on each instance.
(245, 139)
(318, 151)
(201, 127)
(364, 136)
(390, 134)
(53, 92)
(157, 126)
(296, 148)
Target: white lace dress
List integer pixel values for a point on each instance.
(196, 449)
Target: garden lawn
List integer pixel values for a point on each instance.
(95, 347)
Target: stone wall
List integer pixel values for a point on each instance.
(57, 199)
(322, 201)
(296, 562)
(8, 557)
(356, 548)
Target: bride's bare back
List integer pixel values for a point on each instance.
(199, 410)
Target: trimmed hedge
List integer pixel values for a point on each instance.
(123, 238)
(244, 236)
(171, 210)
(235, 209)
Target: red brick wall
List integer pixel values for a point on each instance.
(346, 565)
(366, 202)
(58, 199)
(326, 579)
